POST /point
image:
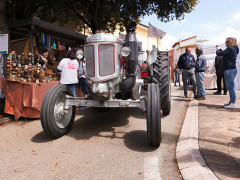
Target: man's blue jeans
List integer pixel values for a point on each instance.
(200, 85)
(82, 83)
(229, 80)
(177, 79)
(73, 88)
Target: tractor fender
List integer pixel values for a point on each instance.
(152, 57)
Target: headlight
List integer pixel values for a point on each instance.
(79, 54)
(125, 51)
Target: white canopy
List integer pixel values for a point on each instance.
(209, 50)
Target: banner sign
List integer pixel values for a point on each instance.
(155, 32)
(3, 43)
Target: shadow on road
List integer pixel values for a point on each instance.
(94, 123)
(218, 107)
(137, 140)
(221, 163)
(41, 138)
(104, 124)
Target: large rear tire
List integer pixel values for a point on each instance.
(153, 115)
(55, 122)
(161, 76)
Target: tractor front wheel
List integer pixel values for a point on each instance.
(55, 121)
(153, 115)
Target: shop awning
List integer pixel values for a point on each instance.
(19, 29)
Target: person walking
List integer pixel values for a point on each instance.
(220, 76)
(200, 66)
(177, 72)
(187, 71)
(69, 67)
(229, 67)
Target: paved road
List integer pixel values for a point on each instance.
(110, 145)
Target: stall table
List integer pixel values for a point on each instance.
(24, 99)
(210, 81)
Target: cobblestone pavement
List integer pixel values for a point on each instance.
(219, 135)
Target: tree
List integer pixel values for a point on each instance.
(47, 10)
(106, 14)
(98, 14)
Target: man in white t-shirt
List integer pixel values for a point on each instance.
(69, 68)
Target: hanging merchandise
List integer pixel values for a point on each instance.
(54, 46)
(63, 47)
(59, 46)
(39, 41)
(52, 54)
(45, 42)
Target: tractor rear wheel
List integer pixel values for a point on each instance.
(161, 76)
(55, 122)
(153, 115)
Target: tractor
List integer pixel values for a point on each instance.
(113, 81)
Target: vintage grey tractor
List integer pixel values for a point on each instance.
(113, 81)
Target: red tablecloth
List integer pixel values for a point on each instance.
(24, 99)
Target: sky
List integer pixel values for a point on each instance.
(209, 19)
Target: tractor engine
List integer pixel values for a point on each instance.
(103, 71)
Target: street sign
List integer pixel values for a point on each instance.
(3, 43)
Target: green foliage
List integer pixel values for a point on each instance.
(98, 14)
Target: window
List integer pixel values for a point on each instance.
(140, 44)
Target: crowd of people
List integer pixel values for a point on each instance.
(70, 69)
(225, 65)
(73, 71)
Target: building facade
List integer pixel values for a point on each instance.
(180, 48)
(146, 43)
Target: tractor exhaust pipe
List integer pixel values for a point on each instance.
(131, 42)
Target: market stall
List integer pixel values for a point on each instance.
(32, 35)
(26, 80)
(209, 51)
(24, 99)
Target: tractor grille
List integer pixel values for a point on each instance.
(89, 57)
(106, 59)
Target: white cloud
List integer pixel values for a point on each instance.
(186, 34)
(167, 42)
(177, 23)
(233, 18)
(209, 27)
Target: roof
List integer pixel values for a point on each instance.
(142, 26)
(175, 44)
(35, 24)
(188, 38)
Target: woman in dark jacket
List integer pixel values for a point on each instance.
(229, 67)
(44, 59)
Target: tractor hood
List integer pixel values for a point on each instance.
(102, 37)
